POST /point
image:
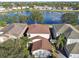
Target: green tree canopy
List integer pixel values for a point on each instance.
(54, 52)
(16, 48)
(6, 5)
(37, 16)
(22, 18)
(2, 23)
(60, 43)
(70, 18)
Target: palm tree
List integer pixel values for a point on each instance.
(36, 16)
(22, 18)
(24, 41)
(60, 43)
(23, 44)
(54, 52)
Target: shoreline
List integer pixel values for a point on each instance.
(18, 10)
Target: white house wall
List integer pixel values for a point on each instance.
(74, 56)
(57, 34)
(45, 53)
(71, 41)
(42, 35)
(2, 39)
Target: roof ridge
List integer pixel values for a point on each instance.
(74, 46)
(38, 36)
(76, 30)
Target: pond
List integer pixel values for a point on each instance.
(49, 17)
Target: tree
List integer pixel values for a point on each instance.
(2, 23)
(60, 43)
(36, 16)
(9, 19)
(14, 48)
(6, 5)
(22, 18)
(24, 42)
(54, 52)
(21, 5)
(70, 18)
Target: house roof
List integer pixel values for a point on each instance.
(73, 48)
(42, 44)
(74, 35)
(60, 28)
(77, 27)
(15, 29)
(38, 28)
(38, 37)
(67, 30)
(63, 28)
(57, 26)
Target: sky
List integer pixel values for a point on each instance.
(37, 0)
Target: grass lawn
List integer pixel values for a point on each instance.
(18, 10)
(56, 10)
(63, 10)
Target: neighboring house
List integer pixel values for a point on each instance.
(70, 8)
(42, 7)
(3, 38)
(59, 8)
(73, 50)
(59, 29)
(2, 8)
(65, 8)
(70, 32)
(13, 31)
(38, 30)
(36, 38)
(39, 7)
(49, 8)
(73, 37)
(27, 7)
(54, 8)
(77, 27)
(14, 8)
(41, 47)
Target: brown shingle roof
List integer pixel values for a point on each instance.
(38, 28)
(15, 29)
(42, 44)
